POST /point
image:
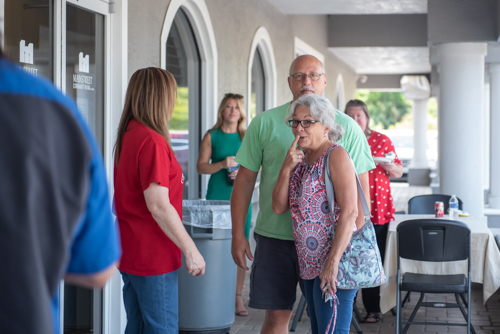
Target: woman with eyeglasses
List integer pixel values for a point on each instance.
(301, 188)
(217, 152)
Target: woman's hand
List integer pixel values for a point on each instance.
(280, 191)
(233, 174)
(195, 264)
(328, 276)
(394, 170)
(294, 155)
(388, 166)
(228, 162)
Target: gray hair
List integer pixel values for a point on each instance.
(321, 109)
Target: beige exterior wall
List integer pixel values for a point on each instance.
(145, 22)
(235, 23)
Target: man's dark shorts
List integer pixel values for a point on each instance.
(275, 273)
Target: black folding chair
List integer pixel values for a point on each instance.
(302, 307)
(434, 240)
(424, 204)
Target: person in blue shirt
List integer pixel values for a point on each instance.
(55, 214)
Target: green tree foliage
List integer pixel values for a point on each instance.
(385, 108)
(180, 116)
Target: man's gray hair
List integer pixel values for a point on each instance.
(321, 110)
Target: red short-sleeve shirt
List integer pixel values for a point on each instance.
(380, 184)
(145, 158)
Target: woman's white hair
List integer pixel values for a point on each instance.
(321, 110)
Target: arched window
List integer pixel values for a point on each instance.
(258, 95)
(188, 50)
(261, 74)
(183, 61)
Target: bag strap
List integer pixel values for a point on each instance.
(329, 185)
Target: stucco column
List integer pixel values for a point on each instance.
(417, 89)
(420, 134)
(494, 197)
(461, 125)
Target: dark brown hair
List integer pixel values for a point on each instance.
(150, 100)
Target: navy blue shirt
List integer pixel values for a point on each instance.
(55, 215)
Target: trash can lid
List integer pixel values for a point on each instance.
(206, 214)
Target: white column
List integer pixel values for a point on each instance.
(494, 198)
(486, 135)
(461, 146)
(420, 134)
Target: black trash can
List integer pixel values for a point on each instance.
(206, 303)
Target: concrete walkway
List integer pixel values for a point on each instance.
(485, 318)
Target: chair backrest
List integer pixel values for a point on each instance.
(434, 240)
(424, 204)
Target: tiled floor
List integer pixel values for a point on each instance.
(485, 318)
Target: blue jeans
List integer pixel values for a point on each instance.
(321, 312)
(152, 303)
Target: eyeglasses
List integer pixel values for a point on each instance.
(231, 95)
(301, 76)
(305, 124)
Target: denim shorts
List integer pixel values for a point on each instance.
(275, 273)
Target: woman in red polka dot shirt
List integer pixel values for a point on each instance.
(382, 208)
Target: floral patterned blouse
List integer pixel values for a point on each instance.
(311, 216)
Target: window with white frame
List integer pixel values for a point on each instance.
(261, 74)
(188, 50)
(183, 61)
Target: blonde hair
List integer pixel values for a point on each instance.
(241, 122)
(150, 100)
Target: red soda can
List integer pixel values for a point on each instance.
(439, 209)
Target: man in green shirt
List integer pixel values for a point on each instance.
(275, 268)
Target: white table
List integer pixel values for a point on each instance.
(485, 260)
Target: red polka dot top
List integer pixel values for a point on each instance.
(380, 190)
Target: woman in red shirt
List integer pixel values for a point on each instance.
(382, 208)
(148, 185)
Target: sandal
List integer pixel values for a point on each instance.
(372, 317)
(242, 313)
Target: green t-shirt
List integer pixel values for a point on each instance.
(265, 144)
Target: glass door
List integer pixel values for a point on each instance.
(28, 35)
(84, 65)
(83, 80)
(64, 41)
